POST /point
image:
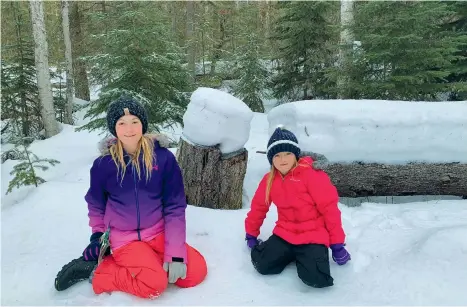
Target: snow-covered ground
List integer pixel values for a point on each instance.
(402, 254)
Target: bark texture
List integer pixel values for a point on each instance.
(68, 62)
(42, 67)
(372, 179)
(211, 179)
(359, 179)
(80, 76)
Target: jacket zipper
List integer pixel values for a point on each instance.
(137, 204)
(285, 187)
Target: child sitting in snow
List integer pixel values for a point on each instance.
(309, 220)
(136, 204)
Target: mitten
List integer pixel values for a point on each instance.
(176, 270)
(91, 252)
(340, 254)
(252, 241)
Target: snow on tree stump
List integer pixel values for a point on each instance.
(211, 151)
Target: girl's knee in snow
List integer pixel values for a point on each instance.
(197, 269)
(149, 283)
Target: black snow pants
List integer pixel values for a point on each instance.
(312, 260)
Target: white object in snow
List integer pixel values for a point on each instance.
(377, 130)
(215, 117)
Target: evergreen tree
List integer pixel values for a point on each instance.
(306, 48)
(25, 173)
(405, 52)
(19, 92)
(140, 60)
(253, 76)
(458, 76)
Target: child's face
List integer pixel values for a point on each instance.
(284, 161)
(129, 130)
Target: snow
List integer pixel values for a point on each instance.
(377, 130)
(216, 117)
(402, 254)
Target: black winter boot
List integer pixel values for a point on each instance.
(74, 272)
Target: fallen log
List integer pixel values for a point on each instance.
(359, 179)
(212, 180)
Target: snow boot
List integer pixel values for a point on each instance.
(75, 271)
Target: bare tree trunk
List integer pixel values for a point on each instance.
(218, 47)
(190, 12)
(218, 17)
(174, 16)
(346, 40)
(42, 68)
(69, 64)
(212, 180)
(80, 74)
(268, 19)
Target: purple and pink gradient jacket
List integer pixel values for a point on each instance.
(138, 209)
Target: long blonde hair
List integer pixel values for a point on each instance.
(272, 174)
(145, 145)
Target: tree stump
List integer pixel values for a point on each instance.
(211, 179)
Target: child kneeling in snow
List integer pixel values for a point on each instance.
(309, 220)
(136, 204)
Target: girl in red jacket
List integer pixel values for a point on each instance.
(309, 220)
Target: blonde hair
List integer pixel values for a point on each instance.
(272, 174)
(145, 145)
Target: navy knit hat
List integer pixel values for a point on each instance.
(282, 140)
(117, 110)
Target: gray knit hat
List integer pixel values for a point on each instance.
(117, 110)
(282, 140)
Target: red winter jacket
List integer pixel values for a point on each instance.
(306, 202)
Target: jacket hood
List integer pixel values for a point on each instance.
(105, 143)
(306, 160)
(304, 163)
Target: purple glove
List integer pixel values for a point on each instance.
(252, 241)
(340, 254)
(91, 252)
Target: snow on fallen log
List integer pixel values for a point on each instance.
(383, 148)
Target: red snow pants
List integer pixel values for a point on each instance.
(136, 268)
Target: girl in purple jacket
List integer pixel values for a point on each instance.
(136, 204)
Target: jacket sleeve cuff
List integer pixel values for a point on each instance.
(172, 254)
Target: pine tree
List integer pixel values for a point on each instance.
(458, 77)
(405, 52)
(253, 76)
(19, 92)
(306, 47)
(139, 60)
(25, 173)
